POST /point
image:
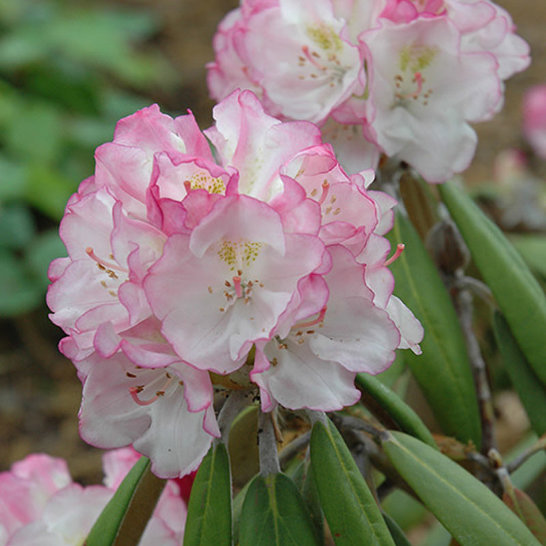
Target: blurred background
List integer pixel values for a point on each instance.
(68, 71)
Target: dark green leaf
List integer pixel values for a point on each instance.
(300, 473)
(400, 539)
(347, 502)
(532, 248)
(530, 390)
(406, 510)
(443, 370)
(274, 514)
(209, 509)
(405, 417)
(517, 292)
(126, 515)
(466, 507)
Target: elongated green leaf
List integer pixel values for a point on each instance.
(404, 416)
(348, 504)
(300, 473)
(125, 517)
(209, 510)
(274, 514)
(466, 507)
(400, 539)
(443, 370)
(517, 292)
(531, 392)
(532, 248)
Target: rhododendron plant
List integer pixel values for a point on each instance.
(408, 76)
(263, 267)
(223, 289)
(41, 504)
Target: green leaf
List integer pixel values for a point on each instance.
(300, 473)
(238, 502)
(532, 247)
(274, 514)
(443, 370)
(348, 504)
(517, 292)
(126, 515)
(209, 510)
(530, 391)
(400, 539)
(404, 416)
(404, 509)
(466, 507)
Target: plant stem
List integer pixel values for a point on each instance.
(234, 404)
(463, 304)
(267, 444)
(535, 448)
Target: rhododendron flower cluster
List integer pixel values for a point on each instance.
(402, 78)
(40, 504)
(261, 267)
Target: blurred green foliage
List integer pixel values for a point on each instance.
(67, 73)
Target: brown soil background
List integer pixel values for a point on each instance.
(39, 391)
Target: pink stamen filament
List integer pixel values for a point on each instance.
(319, 319)
(237, 286)
(399, 249)
(89, 251)
(325, 190)
(187, 186)
(311, 58)
(135, 391)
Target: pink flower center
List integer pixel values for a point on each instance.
(410, 82)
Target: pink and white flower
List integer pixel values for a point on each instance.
(41, 504)
(408, 76)
(206, 267)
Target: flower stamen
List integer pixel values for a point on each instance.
(103, 264)
(318, 320)
(399, 249)
(135, 391)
